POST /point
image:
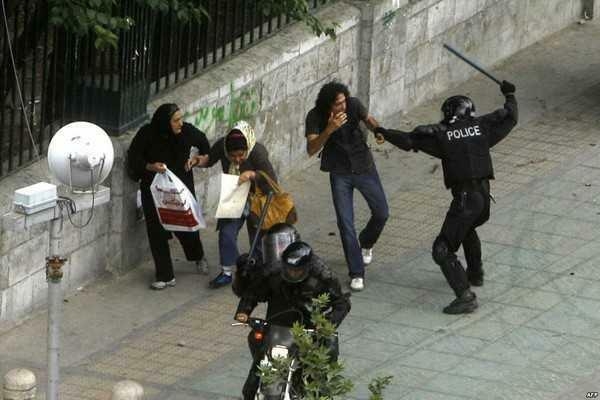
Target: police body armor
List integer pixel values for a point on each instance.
(466, 152)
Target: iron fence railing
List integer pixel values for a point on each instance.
(63, 78)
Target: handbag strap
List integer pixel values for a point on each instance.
(276, 188)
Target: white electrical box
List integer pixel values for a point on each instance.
(35, 198)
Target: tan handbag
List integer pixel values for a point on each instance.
(280, 210)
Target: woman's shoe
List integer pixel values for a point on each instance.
(160, 285)
(222, 279)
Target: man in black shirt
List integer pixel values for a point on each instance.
(462, 141)
(333, 125)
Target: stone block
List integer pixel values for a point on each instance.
(71, 236)
(328, 58)
(98, 225)
(274, 87)
(416, 31)
(87, 263)
(440, 18)
(389, 32)
(348, 47)
(133, 249)
(465, 9)
(388, 100)
(381, 9)
(303, 71)
(298, 153)
(3, 301)
(429, 57)
(410, 66)
(310, 96)
(39, 287)
(24, 259)
(3, 272)
(388, 67)
(418, 6)
(19, 299)
(13, 231)
(541, 16)
(348, 75)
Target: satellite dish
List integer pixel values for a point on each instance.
(80, 155)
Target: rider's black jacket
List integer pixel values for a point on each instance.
(291, 302)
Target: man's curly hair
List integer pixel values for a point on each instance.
(327, 95)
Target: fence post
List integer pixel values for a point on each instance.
(19, 384)
(127, 390)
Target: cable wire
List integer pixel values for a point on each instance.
(18, 86)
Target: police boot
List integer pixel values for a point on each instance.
(463, 304)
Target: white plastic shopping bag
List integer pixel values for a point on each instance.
(177, 208)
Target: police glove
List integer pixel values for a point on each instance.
(380, 130)
(507, 88)
(244, 264)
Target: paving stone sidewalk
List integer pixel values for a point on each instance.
(536, 334)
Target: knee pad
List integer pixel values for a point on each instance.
(440, 251)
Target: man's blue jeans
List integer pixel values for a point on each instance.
(342, 191)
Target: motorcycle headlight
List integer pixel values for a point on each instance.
(279, 352)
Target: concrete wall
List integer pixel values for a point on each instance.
(390, 54)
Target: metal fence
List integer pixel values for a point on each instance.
(64, 78)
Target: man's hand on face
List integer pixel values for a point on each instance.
(337, 120)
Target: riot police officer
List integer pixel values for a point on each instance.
(252, 271)
(462, 141)
(289, 291)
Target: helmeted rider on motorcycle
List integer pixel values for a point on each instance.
(288, 286)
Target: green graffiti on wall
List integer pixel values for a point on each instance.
(241, 105)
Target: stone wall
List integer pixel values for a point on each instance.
(390, 54)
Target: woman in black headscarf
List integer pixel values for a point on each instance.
(166, 143)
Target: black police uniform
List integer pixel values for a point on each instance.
(464, 148)
(287, 303)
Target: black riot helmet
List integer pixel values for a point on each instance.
(457, 107)
(277, 239)
(295, 262)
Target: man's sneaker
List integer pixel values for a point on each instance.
(367, 255)
(464, 304)
(160, 285)
(357, 284)
(475, 278)
(222, 279)
(202, 266)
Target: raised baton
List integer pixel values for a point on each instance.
(471, 63)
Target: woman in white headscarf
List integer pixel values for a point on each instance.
(241, 155)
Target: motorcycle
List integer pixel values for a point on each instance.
(278, 342)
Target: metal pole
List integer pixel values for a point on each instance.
(54, 273)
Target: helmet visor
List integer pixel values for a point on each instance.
(294, 274)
